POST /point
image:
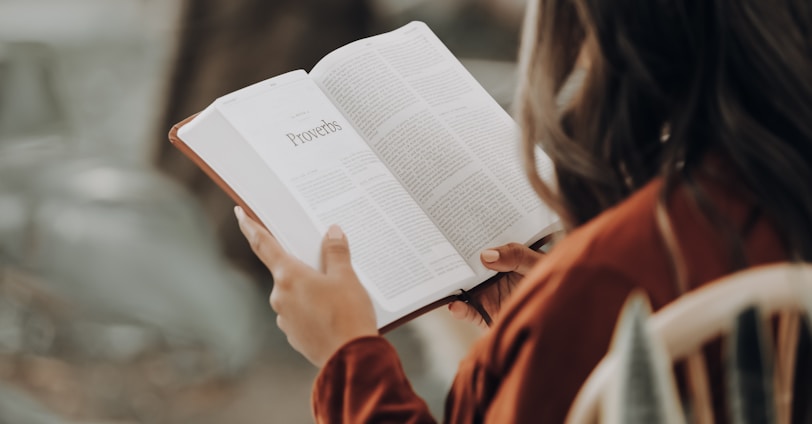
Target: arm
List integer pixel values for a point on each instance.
(318, 310)
(531, 364)
(370, 366)
(364, 382)
(328, 317)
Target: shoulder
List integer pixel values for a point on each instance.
(581, 285)
(559, 321)
(618, 239)
(621, 245)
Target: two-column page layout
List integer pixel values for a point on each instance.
(392, 139)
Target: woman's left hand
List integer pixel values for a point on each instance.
(318, 310)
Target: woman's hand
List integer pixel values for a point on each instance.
(319, 311)
(513, 259)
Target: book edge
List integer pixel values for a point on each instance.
(187, 151)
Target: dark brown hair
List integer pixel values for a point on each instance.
(668, 81)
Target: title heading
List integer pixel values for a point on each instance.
(323, 130)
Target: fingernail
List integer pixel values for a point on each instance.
(490, 255)
(239, 213)
(245, 225)
(335, 233)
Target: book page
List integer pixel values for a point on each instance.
(397, 251)
(442, 135)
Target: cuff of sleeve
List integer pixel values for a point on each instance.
(355, 368)
(356, 350)
(362, 345)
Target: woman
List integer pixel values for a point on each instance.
(686, 155)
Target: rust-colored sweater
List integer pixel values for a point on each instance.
(558, 323)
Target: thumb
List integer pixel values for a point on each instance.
(335, 252)
(511, 257)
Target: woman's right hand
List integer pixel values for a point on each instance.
(515, 261)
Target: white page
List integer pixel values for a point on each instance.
(210, 136)
(449, 143)
(399, 254)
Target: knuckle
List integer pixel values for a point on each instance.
(280, 322)
(275, 301)
(256, 243)
(336, 248)
(514, 247)
(516, 253)
(294, 343)
(281, 278)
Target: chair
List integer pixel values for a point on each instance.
(681, 328)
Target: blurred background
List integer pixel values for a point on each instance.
(127, 293)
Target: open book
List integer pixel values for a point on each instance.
(392, 139)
